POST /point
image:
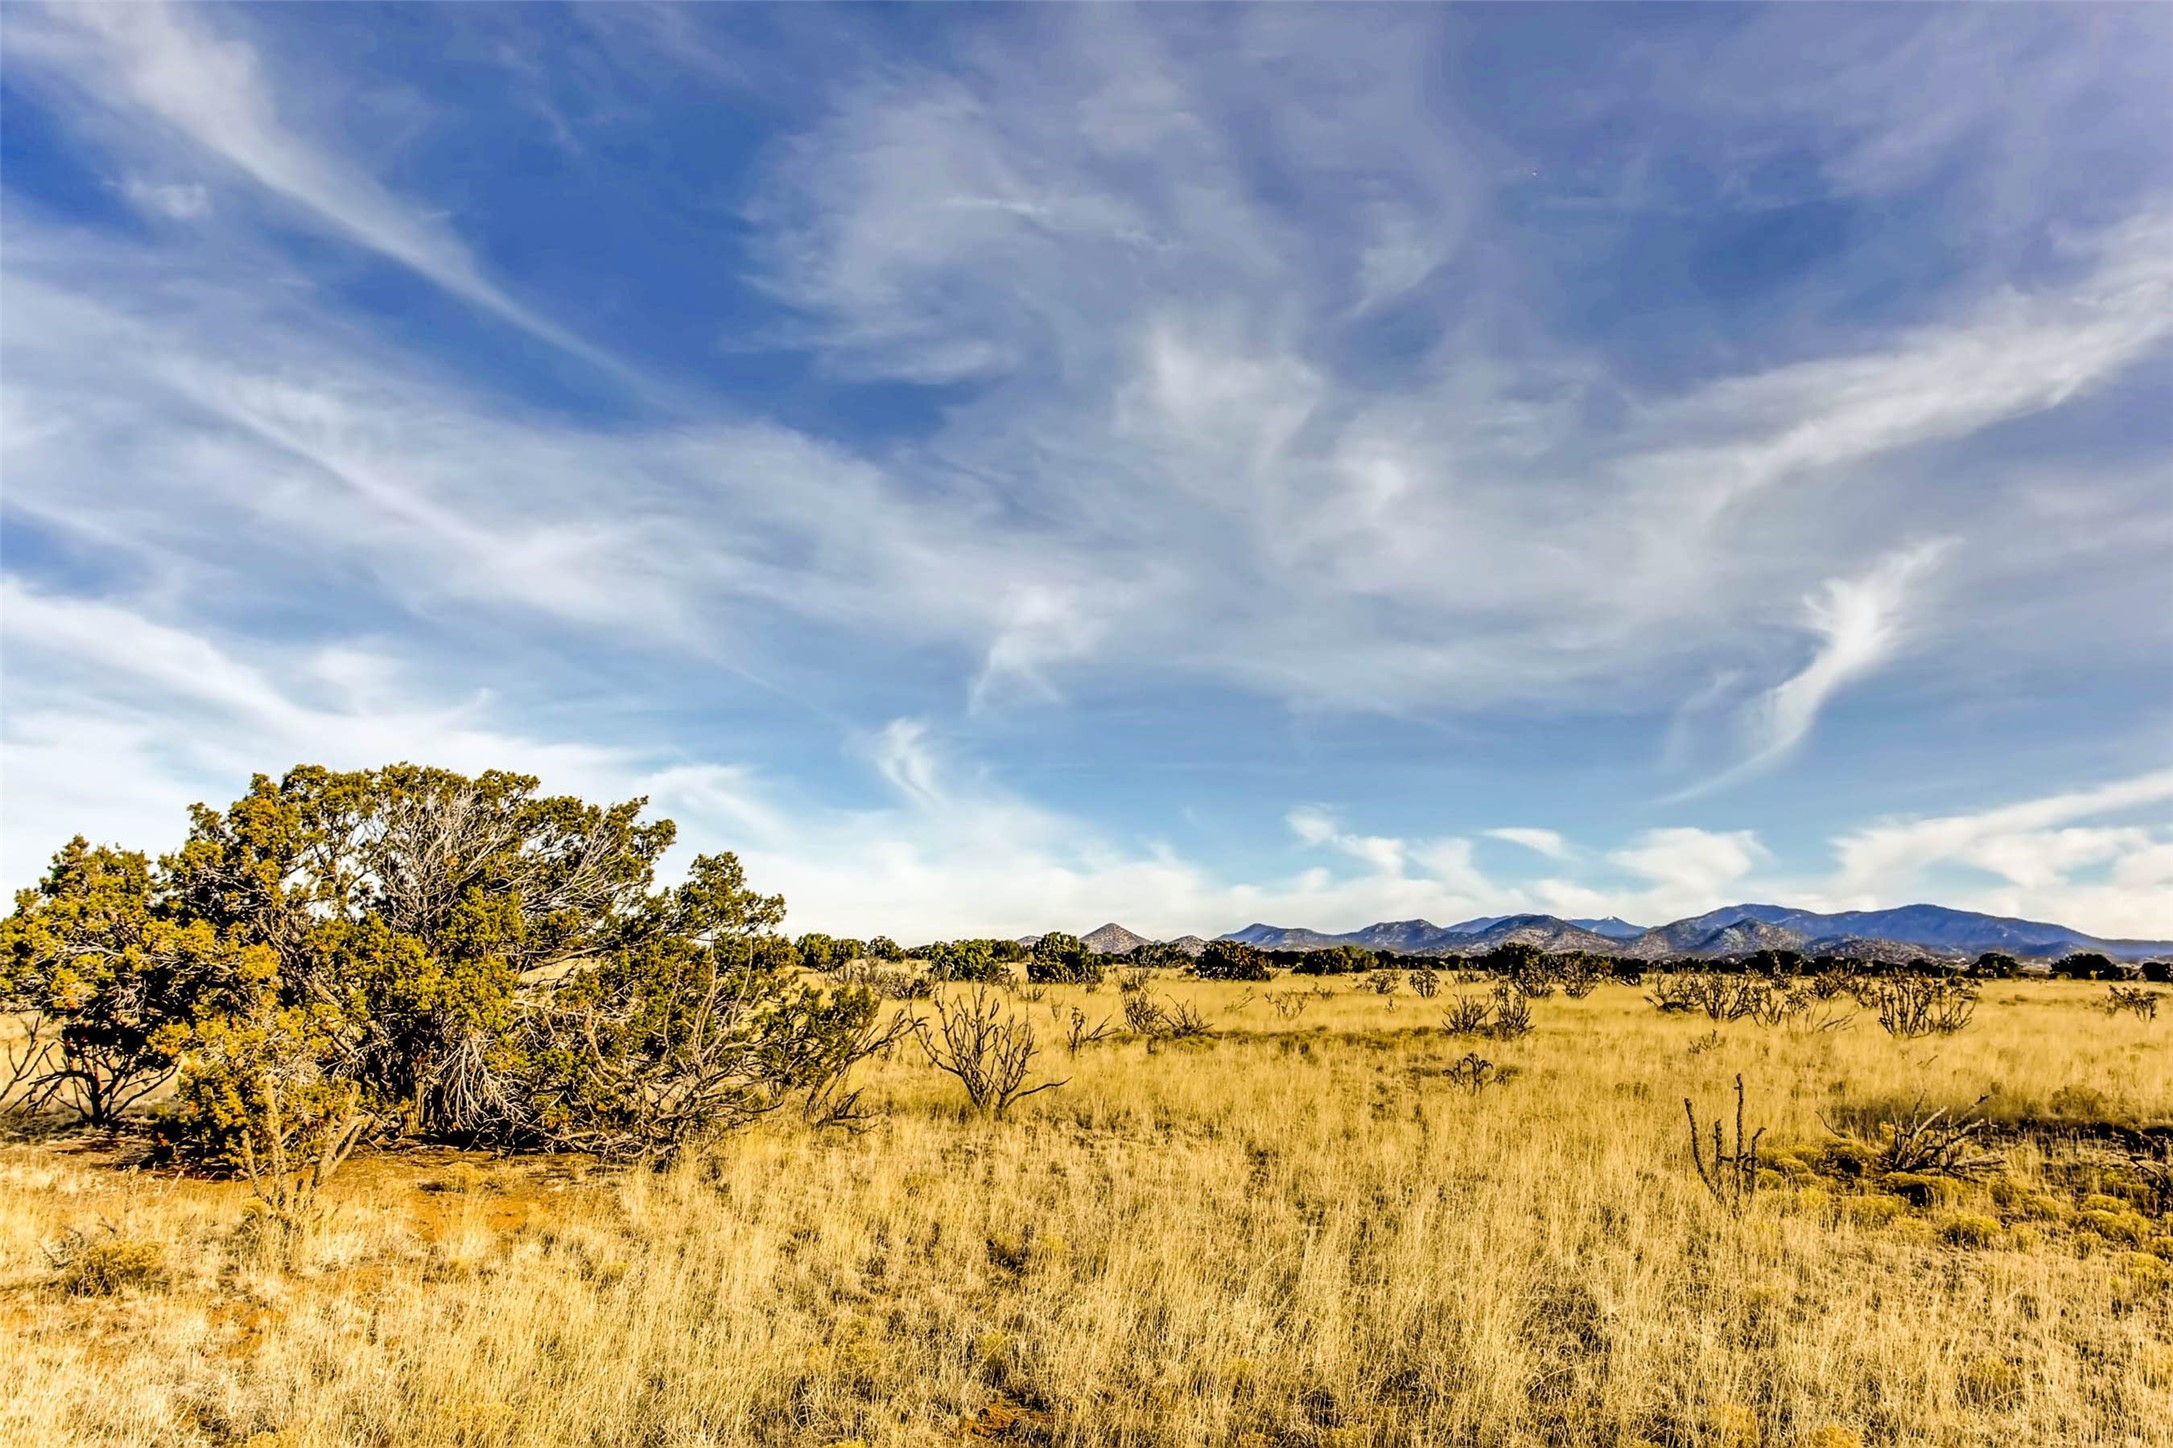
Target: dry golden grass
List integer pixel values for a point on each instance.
(1301, 1231)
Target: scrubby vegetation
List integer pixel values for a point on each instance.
(402, 1108)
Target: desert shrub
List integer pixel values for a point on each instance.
(1384, 982)
(656, 1053)
(882, 947)
(1475, 1073)
(826, 953)
(1425, 982)
(1512, 1014)
(1289, 1004)
(2142, 1004)
(1231, 960)
(1916, 1140)
(1060, 959)
(104, 1263)
(1336, 960)
(1080, 1033)
(455, 958)
(1775, 964)
(112, 976)
(887, 982)
(261, 1084)
(1673, 992)
(1924, 1005)
(1170, 1020)
(1970, 1229)
(1186, 1021)
(2086, 965)
(1514, 961)
(970, 962)
(1580, 975)
(1825, 985)
(987, 1049)
(1467, 1015)
(1158, 955)
(1730, 1175)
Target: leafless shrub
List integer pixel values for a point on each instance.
(1923, 1005)
(1384, 982)
(827, 1102)
(2155, 1174)
(1767, 1000)
(1912, 1139)
(1512, 1015)
(1143, 1016)
(1815, 1018)
(1475, 1073)
(987, 1048)
(1033, 995)
(27, 1061)
(1580, 977)
(1425, 982)
(1185, 1021)
(1289, 1004)
(1081, 1034)
(1673, 992)
(1467, 1015)
(2143, 1004)
(1133, 980)
(1730, 1175)
(1772, 1002)
(889, 982)
(1173, 1020)
(288, 1157)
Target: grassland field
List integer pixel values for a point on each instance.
(1297, 1231)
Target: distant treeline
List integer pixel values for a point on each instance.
(1058, 957)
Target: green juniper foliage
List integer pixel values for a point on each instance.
(452, 958)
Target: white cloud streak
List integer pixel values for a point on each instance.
(1545, 842)
(172, 65)
(1859, 623)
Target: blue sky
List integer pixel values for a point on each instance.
(1005, 469)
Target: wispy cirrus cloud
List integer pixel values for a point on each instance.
(1859, 625)
(174, 66)
(1065, 393)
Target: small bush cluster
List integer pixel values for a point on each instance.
(1507, 1016)
(1923, 1005)
(1231, 960)
(1173, 1020)
(101, 1264)
(1061, 959)
(988, 1049)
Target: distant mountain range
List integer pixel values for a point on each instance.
(1731, 930)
